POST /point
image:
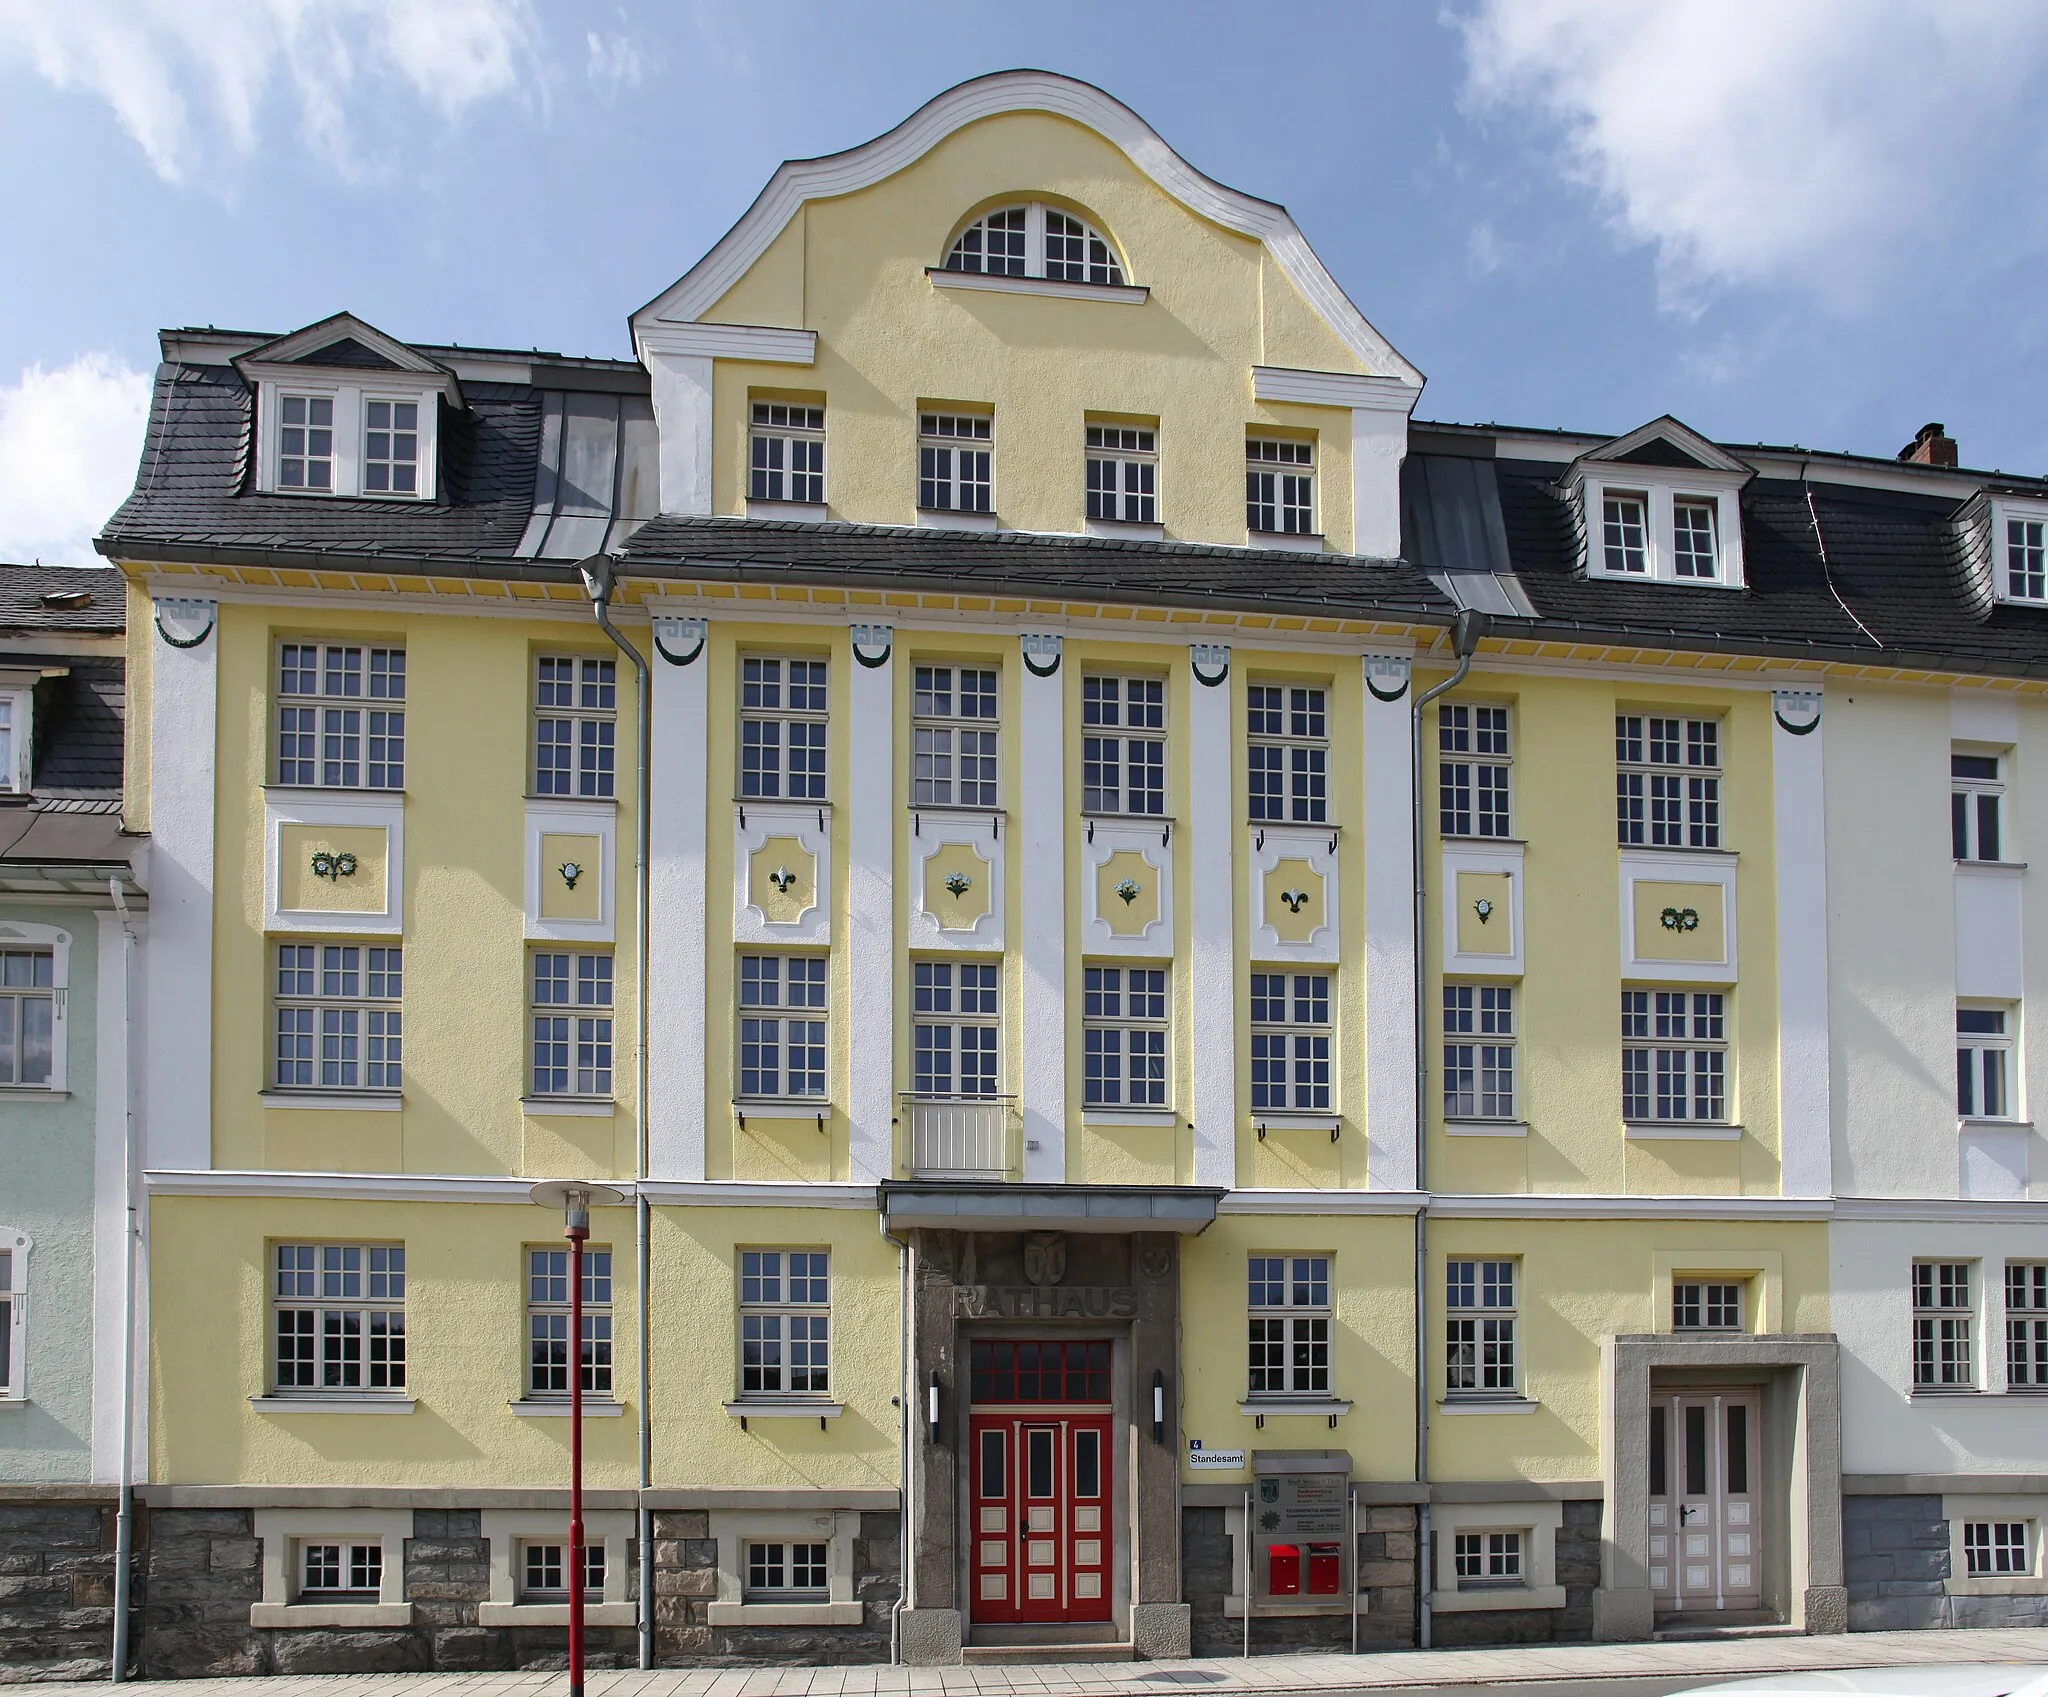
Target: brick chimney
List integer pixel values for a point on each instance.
(1933, 446)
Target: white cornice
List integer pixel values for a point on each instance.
(680, 1193)
(347, 1187)
(1525, 1207)
(1333, 389)
(768, 343)
(801, 180)
(1925, 1209)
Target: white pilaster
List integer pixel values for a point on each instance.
(1042, 912)
(1212, 953)
(109, 1190)
(183, 703)
(870, 907)
(677, 822)
(1379, 442)
(680, 386)
(1392, 1116)
(1799, 819)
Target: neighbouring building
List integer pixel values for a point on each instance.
(71, 911)
(1093, 1188)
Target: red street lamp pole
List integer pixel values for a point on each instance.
(575, 1201)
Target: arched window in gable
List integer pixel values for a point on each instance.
(1036, 240)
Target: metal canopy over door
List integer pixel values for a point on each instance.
(1041, 1480)
(1706, 1550)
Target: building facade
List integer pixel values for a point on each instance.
(1243, 1023)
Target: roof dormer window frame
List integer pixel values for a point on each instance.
(2019, 565)
(1663, 495)
(351, 414)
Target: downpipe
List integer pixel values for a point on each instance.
(131, 1225)
(598, 573)
(1468, 628)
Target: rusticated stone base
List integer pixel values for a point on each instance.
(1386, 1575)
(56, 1589)
(1578, 1572)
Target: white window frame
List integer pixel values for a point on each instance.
(327, 1262)
(945, 977)
(1661, 1004)
(783, 1013)
(793, 424)
(284, 1532)
(19, 936)
(15, 1248)
(1293, 1032)
(1487, 1327)
(2026, 1326)
(1101, 730)
(760, 1263)
(939, 756)
(351, 414)
(1301, 1323)
(2028, 1511)
(1701, 822)
(590, 719)
(1035, 262)
(1302, 750)
(369, 1009)
(1982, 1047)
(1280, 484)
(1934, 1277)
(539, 1280)
(1475, 762)
(17, 757)
(950, 447)
(390, 461)
(1489, 1559)
(1968, 799)
(1661, 494)
(783, 716)
(1480, 1037)
(1109, 1027)
(1538, 1524)
(1129, 499)
(336, 714)
(590, 1026)
(510, 1531)
(1709, 1301)
(732, 1530)
(2004, 514)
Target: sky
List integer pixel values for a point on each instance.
(1820, 223)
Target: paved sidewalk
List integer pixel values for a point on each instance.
(1266, 1676)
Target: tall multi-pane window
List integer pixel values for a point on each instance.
(391, 447)
(1667, 785)
(2026, 1325)
(785, 1322)
(782, 1025)
(1289, 754)
(1674, 1055)
(1472, 769)
(1976, 797)
(341, 716)
(2026, 559)
(1479, 1052)
(1279, 486)
(1123, 745)
(1291, 1041)
(1984, 1046)
(953, 736)
(1694, 553)
(1289, 1325)
(1944, 1353)
(953, 462)
(12, 778)
(547, 1322)
(28, 1016)
(1479, 1328)
(1123, 473)
(1700, 1306)
(786, 453)
(575, 725)
(955, 1028)
(305, 443)
(1123, 1036)
(340, 1025)
(1487, 1560)
(782, 729)
(1625, 533)
(572, 1023)
(1996, 1549)
(11, 1295)
(339, 1311)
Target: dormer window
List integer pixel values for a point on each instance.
(2019, 531)
(391, 448)
(1036, 240)
(305, 442)
(1626, 534)
(1662, 505)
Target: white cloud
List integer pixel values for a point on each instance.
(69, 443)
(187, 76)
(614, 62)
(1833, 144)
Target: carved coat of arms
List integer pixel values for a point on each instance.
(1045, 1257)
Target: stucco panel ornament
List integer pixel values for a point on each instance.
(333, 866)
(1045, 1257)
(1680, 919)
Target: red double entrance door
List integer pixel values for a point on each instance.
(1041, 1480)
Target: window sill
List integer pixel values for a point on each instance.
(1660, 580)
(7, 1402)
(790, 512)
(312, 791)
(1464, 840)
(1992, 868)
(316, 1404)
(1488, 1405)
(569, 1107)
(556, 1614)
(1981, 1122)
(1118, 294)
(1153, 1119)
(354, 1101)
(1498, 1597)
(781, 1108)
(330, 1614)
(1678, 849)
(950, 518)
(1485, 1128)
(1308, 1405)
(1287, 541)
(610, 801)
(2000, 1585)
(807, 803)
(32, 1093)
(785, 1408)
(784, 1614)
(542, 1408)
(1280, 1120)
(1129, 531)
(1680, 1131)
(1946, 1393)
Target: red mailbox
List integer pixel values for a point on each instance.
(1326, 1570)
(1283, 1570)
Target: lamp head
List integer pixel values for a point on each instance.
(575, 1197)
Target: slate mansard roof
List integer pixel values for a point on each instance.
(545, 460)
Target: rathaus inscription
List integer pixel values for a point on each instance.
(1068, 1302)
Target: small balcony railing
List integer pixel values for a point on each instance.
(961, 1136)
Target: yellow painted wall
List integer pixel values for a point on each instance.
(853, 269)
